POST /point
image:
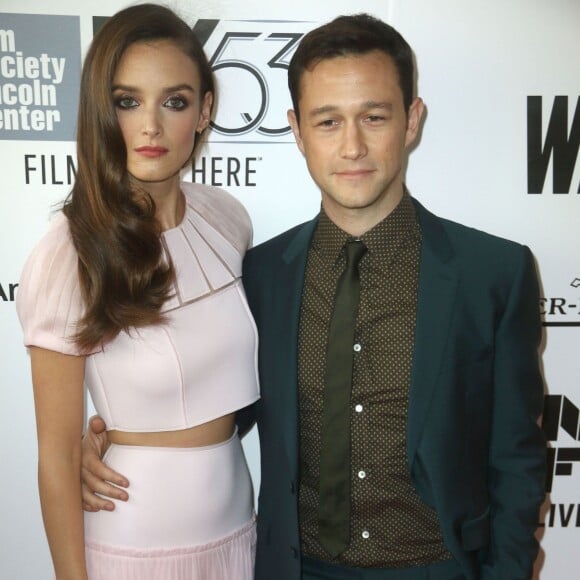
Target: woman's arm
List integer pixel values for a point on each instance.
(58, 399)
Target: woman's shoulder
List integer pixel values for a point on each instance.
(222, 211)
(55, 249)
(48, 301)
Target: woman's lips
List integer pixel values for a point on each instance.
(149, 151)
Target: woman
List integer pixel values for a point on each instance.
(136, 291)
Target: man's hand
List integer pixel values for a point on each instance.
(96, 477)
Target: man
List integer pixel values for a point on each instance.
(443, 456)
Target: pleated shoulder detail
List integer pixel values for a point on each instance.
(49, 302)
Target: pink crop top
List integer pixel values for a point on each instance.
(199, 365)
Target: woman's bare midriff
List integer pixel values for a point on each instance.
(209, 433)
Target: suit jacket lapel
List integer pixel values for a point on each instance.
(437, 288)
(288, 292)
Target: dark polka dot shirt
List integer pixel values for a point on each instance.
(390, 526)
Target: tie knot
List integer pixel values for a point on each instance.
(355, 250)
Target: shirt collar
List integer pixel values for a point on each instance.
(382, 240)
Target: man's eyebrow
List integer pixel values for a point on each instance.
(378, 105)
(325, 109)
(322, 110)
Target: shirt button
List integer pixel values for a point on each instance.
(357, 347)
(358, 408)
(362, 474)
(365, 535)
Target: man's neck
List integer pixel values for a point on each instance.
(356, 222)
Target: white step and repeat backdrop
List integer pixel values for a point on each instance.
(499, 151)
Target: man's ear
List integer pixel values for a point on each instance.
(414, 117)
(293, 122)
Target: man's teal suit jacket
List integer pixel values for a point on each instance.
(475, 451)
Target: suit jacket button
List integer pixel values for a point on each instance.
(292, 488)
(294, 552)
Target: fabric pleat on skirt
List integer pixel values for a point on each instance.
(229, 558)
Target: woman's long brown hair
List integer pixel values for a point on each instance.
(123, 278)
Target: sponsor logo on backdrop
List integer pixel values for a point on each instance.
(563, 310)
(40, 64)
(8, 291)
(561, 425)
(553, 142)
(250, 63)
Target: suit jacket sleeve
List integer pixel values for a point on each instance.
(517, 448)
(245, 419)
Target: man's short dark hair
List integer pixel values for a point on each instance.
(355, 34)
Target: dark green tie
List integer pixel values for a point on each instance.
(335, 471)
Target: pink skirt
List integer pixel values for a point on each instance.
(189, 516)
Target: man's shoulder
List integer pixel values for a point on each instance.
(477, 236)
(467, 239)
